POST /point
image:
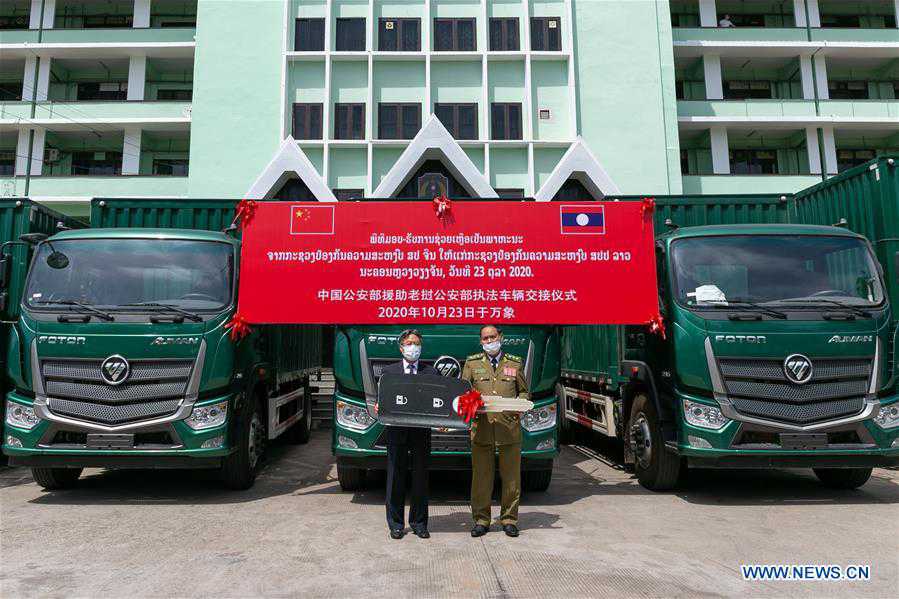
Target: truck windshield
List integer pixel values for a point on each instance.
(782, 270)
(116, 273)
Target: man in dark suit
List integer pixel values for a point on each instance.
(403, 440)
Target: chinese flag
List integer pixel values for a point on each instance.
(312, 220)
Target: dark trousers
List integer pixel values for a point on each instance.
(401, 441)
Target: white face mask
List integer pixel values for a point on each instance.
(492, 348)
(411, 352)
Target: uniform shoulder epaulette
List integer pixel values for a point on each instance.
(475, 356)
(513, 358)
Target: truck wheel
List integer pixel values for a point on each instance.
(52, 479)
(240, 468)
(350, 479)
(843, 478)
(300, 432)
(657, 469)
(536, 481)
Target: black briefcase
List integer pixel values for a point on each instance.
(420, 400)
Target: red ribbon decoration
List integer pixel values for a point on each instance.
(239, 327)
(648, 207)
(244, 212)
(443, 207)
(469, 404)
(657, 326)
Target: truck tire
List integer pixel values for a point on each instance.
(350, 479)
(53, 479)
(536, 481)
(239, 469)
(300, 432)
(657, 469)
(843, 478)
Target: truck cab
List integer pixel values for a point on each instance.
(121, 358)
(778, 353)
(361, 353)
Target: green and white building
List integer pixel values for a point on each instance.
(402, 98)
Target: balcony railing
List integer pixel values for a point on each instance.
(799, 109)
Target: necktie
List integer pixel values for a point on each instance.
(494, 361)
(410, 369)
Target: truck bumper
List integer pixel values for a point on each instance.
(461, 461)
(816, 460)
(61, 460)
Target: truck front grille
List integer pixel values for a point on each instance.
(453, 440)
(154, 388)
(760, 388)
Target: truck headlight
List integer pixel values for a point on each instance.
(703, 416)
(539, 419)
(20, 415)
(887, 417)
(352, 416)
(207, 416)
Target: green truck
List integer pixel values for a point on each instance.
(20, 217)
(360, 354)
(778, 350)
(121, 358)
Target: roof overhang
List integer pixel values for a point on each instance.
(578, 163)
(434, 142)
(289, 162)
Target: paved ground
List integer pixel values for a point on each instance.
(595, 533)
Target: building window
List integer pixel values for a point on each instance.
(109, 91)
(96, 163)
(183, 95)
(510, 193)
(106, 21)
(747, 90)
(846, 21)
(546, 33)
(309, 35)
(7, 163)
(505, 120)
(848, 90)
(454, 35)
(398, 121)
(349, 121)
(847, 159)
(504, 34)
(350, 35)
(461, 120)
(174, 167)
(753, 162)
(307, 121)
(343, 195)
(10, 91)
(14, 21)
(399, 35)
(685, 162)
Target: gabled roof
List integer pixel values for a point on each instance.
(578, 163)
(289, 162)
(434, 142)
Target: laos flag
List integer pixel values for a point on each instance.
(583, 219)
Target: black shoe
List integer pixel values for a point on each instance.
(511, 530)
(479, 530)
(421, 533)
(397, 533)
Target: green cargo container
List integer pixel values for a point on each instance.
(19, 216)
(206, 215)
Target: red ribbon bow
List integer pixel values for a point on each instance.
(657, 326)
(648, 207)
(239, 327)
(244, 212)
(469, 404)
(443, 207)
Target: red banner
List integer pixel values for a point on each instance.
(464, 262)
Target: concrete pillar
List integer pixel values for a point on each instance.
(37, 152)
(896, 11)
(814, 14)
(34, 15)
(821, 77)
(799, 13)
(808, 81)
(814, 150)
(131, 152)
(137, 78)
(708, 15)
(720, 151)
(141, 13)
(830, 150)
(43, 79)
(714, 89)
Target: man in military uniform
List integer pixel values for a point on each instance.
(494, 372)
